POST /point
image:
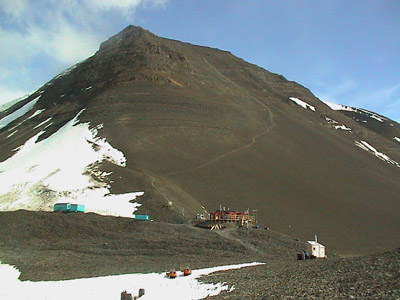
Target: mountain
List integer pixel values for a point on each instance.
(173, 129)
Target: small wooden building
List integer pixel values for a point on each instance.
(316, 249)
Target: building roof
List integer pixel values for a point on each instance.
(314, 243)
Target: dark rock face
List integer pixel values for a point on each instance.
(201, 127)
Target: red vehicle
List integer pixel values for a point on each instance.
(171, 274)
(186, 272)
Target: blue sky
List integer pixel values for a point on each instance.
(347, 52)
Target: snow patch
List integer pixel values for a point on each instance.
(44, 122)
(343, 127)
(18, 113)
(64, 167)
(367, 147)
(334, 124)
(335, 106)
(373, 115)
(38, 112)
(11, 134)
(331, 121)
(156, 286)
(302, 103)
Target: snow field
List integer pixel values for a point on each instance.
(335, 106)
(156, 285)
(64, 168)
(302, 103)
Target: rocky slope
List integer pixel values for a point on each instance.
(200, 127)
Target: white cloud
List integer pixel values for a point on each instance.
(7, 95)
(113, 4)
(53, 35)
(15, 8)
(336, 92)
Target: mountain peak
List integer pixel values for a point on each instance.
(129, 35)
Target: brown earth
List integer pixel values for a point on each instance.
(201, 127)
(54, 246)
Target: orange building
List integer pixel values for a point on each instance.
(224, 215)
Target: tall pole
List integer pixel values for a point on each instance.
(255, 216)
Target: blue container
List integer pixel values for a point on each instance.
(69, 207)
(141, 217)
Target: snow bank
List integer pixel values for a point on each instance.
(18, 113)
(302, 103)
(63, 168)
(335, 106)
(367, 147)
(156, 286)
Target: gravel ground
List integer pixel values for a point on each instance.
(51, 246)
(370, 277)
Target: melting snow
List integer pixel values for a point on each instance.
(343, 127)
(335, 106)
(373, 115)
(156, 286)
(11, 134)
(18, 113)
(331, 121)
(367, 147)
(44, 122)
(302, 103)
(62, 168)
(39, 111)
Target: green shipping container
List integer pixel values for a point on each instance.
(141, 217)
(69, 207)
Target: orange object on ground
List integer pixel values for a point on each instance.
(171, 274)
(187, 271)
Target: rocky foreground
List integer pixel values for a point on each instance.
(54, 246)
(369, 277)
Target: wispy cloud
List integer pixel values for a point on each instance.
(385, 101)
(335, 92)
(54, 34)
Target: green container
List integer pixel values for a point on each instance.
(141, 217)
(69, 207)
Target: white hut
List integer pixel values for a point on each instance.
(316, 249)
